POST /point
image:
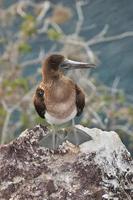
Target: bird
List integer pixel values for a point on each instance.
(58, 98)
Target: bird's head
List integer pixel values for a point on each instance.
(55, 65)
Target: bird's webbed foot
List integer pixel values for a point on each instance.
(54, 139)
(77, 136)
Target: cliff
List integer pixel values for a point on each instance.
(101, 168)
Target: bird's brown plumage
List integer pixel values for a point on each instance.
(60, 98)
(39, 103)
(80, 100)
(57, 94)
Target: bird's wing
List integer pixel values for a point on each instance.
(39, 103)
(80, 100)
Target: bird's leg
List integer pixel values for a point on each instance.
(53, 136)
(75, 132)
(57, 137)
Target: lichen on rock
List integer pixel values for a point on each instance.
(101, 168)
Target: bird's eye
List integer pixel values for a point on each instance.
(40, 93)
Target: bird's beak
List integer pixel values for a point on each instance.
(69, 64)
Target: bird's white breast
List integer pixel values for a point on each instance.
(53, 120)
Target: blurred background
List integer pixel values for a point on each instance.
(94, 31)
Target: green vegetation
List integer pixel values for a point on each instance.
(53, 34)
(2, 115)
(17, 83)
(25, 48)
(28, 26)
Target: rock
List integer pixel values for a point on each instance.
(99, 169)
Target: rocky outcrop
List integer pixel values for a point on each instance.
(101, 168)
